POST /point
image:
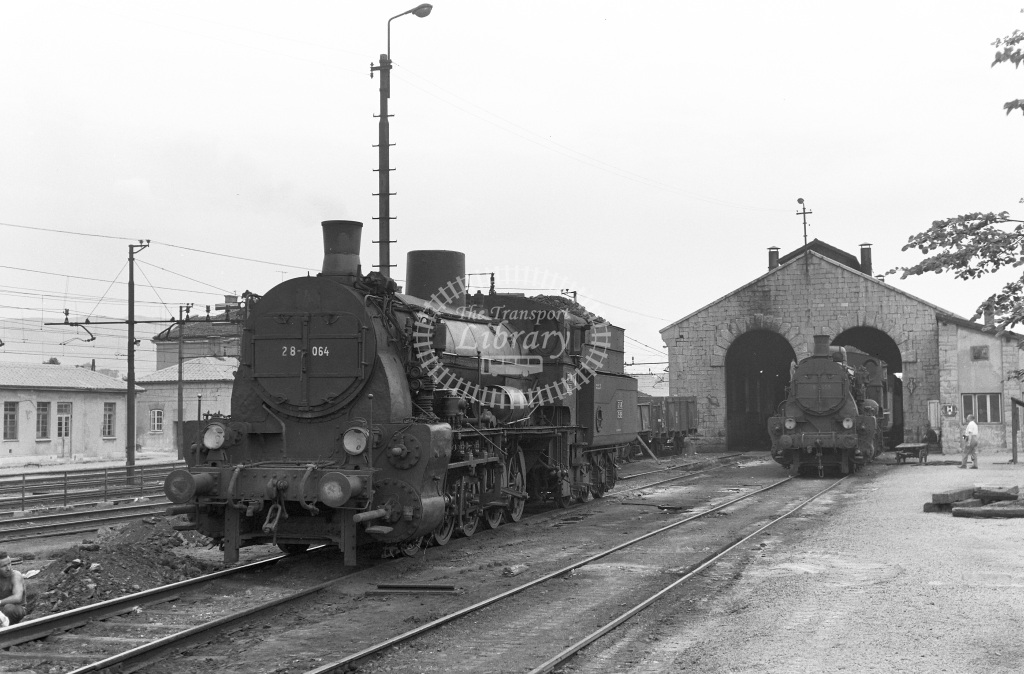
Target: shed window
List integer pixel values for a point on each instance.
(42, 421)
(10, 421)
(156, 421)
(979, 353)
(109, 415)
(986, 407)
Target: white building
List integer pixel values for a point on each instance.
(61, 414)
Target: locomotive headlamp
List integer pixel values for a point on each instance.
(214, 436)
(790, 423)
(355, 440)
(848, 423)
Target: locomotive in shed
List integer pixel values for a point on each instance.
(835, 412)
(359, 412)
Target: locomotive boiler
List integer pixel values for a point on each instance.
(359, 412)
(835, 411)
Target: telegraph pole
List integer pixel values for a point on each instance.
(182, 318)
(384, 144)
(130, 453)
(384, 166)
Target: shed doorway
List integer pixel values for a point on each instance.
(757, 367)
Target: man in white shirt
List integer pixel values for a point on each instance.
(970, 441)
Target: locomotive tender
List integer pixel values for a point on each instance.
(835, 412)
(361, 412)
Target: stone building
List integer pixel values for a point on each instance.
(61, 414)
(735, 354)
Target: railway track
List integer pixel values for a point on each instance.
(570, 624)
(76, 521)
(124, 633)
(165, 627)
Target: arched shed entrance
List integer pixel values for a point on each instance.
(756, 376)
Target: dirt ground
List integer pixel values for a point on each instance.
(116, 561)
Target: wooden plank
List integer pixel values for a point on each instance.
(953, 495)
(969, 503)
(990, 511)
(989, 494)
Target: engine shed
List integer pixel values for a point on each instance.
(735, 355)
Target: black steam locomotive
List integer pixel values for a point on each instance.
(835, 413)
(361, 412)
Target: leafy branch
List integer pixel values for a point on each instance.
(971, 246)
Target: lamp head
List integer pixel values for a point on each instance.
(800, 201)
(422, 10)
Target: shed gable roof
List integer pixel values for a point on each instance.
(808, 251)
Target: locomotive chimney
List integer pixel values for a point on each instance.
(821, 344)
(865, 258)
(773, 257)
(341, 248)
(436, 274)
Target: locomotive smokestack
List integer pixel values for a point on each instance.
(341, 247)
(865, 258)
(437, 274)
(821, 345)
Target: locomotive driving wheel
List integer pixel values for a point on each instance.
(469, 506)
(443, 532)
(515, 476)
(493, 515)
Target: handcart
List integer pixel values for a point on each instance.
(918, 450)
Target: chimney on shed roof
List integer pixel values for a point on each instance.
(990, 316)
(773, 257)
(865, 258)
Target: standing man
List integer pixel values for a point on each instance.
(12, 592)
(970, 439)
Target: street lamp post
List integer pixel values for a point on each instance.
(384, 144)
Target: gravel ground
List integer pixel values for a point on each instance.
(876, 585)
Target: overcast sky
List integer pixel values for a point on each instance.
(643, 154)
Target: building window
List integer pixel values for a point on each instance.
(979, 353)
(10, 421)
(109, 411)
(63, 420)
(42, 421)
(986, 407)
(156, 421)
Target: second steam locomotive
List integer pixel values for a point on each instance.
(359, 412)
(835, 413)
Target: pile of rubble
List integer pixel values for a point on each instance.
(118, 561)
(979, 501)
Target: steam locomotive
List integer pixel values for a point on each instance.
(359, 412)
(835, 413)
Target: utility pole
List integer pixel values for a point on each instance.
(130, 415)
(182, 319)
(384, 167)
(130, 453)
(384, 144)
